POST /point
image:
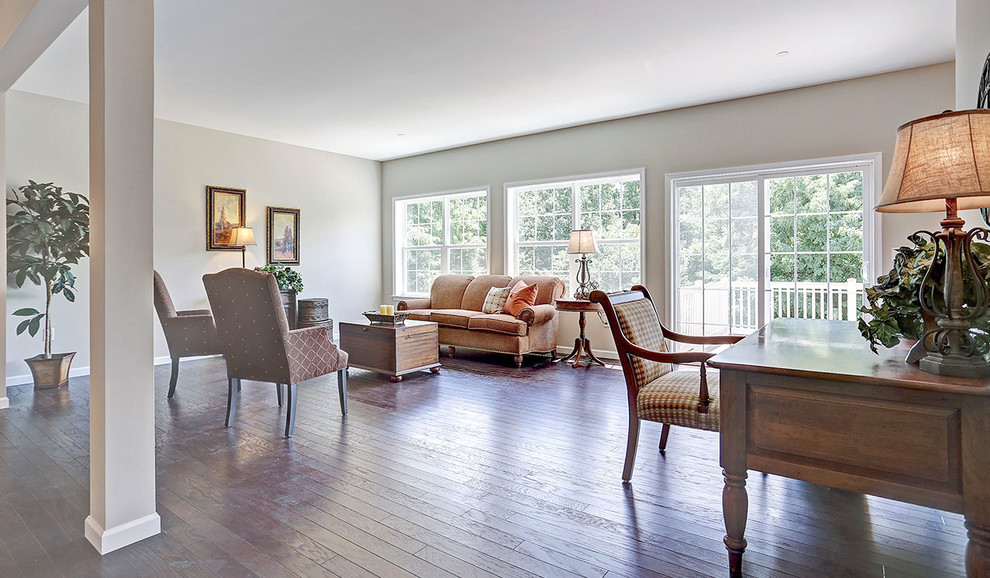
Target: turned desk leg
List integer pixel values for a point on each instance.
(977, 551)
(735, 507)
(732, 457)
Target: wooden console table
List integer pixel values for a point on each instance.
(393, 350)
(807, 399)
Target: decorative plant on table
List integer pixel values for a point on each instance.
(289, 284)
(893, 306)
(47, 234)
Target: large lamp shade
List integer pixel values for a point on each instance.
(940, 157)
(242, 236)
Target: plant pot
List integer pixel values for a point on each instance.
(50, 372)
(289, 303)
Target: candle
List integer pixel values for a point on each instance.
(383, 309)
(391, 310)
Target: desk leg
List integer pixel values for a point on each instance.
(976, 490)
(977, 551)
(732, 456)
(735, 508)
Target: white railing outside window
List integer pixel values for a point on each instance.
(751, 244)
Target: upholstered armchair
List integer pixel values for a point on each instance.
(656, 391)
(188, 333)
(258, 345)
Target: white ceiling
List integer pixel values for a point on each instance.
(352, 76)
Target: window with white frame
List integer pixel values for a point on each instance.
(542, 215)
(438, 234)
(752, 244)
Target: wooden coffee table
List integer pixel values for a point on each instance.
(393, 350)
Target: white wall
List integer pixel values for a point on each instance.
(849, 117)
(339, 198)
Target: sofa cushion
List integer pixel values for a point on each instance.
(477, 290)
(522, 296)
(452, 317)
(498, 323)
(448, 290)
(550, 288)
(495, 302)
(418, 314)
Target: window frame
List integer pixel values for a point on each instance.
(399, 249)
(870, 163)
(511, 208)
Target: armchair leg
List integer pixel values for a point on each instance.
(278, 393)
(231, 388)
(450, 351)
(342, 390)
(663, 437)
(518, 360)
(290, 414)
(174, 378)
(631, 444)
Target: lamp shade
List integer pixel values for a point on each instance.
(940, 157)
(242, 236)
(582, 242)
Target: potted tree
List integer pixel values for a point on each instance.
(290, 284)
(892, 309)
(47, 234)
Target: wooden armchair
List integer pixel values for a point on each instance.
(188, 333)
(686, 397)
(258, 345)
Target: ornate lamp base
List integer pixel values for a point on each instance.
(955, 365)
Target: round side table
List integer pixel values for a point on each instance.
(582, 345)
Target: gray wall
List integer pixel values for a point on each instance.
(842, 118)
(339, 196)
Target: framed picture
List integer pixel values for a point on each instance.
(283, 236)
(224, 212)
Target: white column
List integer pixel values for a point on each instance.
(4, 402)
(122, 404)
(972, 46)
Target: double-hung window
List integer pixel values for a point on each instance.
(436, 234)
(755, 243)
(542, 215)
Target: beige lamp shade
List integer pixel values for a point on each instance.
(582, 242)
(242, 236)
(940, 157)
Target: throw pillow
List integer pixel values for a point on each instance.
(495, 301)
(522, 295)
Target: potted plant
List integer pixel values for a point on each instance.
(892, 305)
(290, 284)
(47, 234)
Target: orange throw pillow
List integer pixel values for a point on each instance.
(522, 295)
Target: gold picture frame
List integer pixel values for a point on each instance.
(282, 236)
(224, 212)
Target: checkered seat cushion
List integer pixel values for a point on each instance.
(673, 399)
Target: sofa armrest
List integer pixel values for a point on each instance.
(536, 314)
(408, 304)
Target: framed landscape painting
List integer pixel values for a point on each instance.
(224, 213)
(283, 236)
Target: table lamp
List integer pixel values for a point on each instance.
(942, 162)
(583, 243)
(242, 236)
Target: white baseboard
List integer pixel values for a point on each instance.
(4, 401)
(106, 541)
(602, 354)
(79, 371)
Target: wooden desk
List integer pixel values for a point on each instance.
(807, 399)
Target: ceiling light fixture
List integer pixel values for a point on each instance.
(782, 53)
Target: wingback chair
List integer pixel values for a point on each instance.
(258, 345)
(187, 333)
(656, 391)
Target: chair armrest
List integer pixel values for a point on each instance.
(408, 304)
(702, 339)
(311, 354)
(194, 313)
(536, 314)
(669, 357)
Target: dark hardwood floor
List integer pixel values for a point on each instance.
(482, 470)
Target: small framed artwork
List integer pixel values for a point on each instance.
(283, 236)
(224, 213)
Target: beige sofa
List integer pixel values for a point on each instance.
(455, 304)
